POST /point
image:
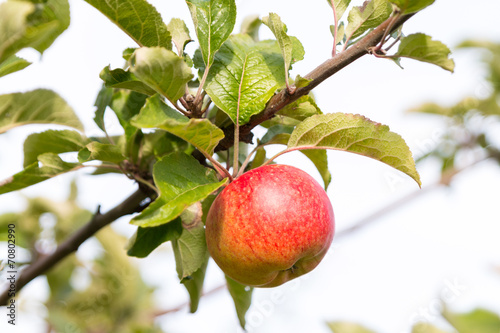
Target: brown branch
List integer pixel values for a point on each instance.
(317, 76)
(41, 265)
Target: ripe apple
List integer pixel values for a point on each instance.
(269, 226)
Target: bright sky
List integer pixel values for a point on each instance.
(444, 244)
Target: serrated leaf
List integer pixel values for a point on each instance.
(244, 77)
(180, 34)
(24, 24)
(36, 107)
(214, 21)
(356, 134)
(119, 78)
(145, 240)
(340, 7)
(52, 141)
(251, 26)
(182, 181)
(201, 133)
(371, 14)
(12, 65)
(479, 320)
(162, 70)
(346, 327)
(103, 100)
(138, 19)
(48, 166)
(100, 151)
(426, 328)
(279, 29)
(190, 249)
(422, 48)
(301, 82)
(242, 298)
(411, 6)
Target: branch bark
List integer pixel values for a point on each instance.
(130, 205)
(317, 76)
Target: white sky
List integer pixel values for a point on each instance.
(385, 275)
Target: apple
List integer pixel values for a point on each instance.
(269, 226)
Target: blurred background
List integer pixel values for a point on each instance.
(440, 243)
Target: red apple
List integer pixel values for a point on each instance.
(269, 226)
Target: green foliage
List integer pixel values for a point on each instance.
(242, 298)
(477, 321)
(426, 328)
(138, 19)
(26, 24)
(346, 327)
(356, 134)
(182, 181)
(162, 70)
(175, 133)
(201, 133)
(52, 141)
(214, 21)
(369, 15)
(245, 75)
(422, 48)
(48, 166)
(19, 109)
(411, 6)
(12, 65)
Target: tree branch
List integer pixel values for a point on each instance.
(130, 205)
(317, 76)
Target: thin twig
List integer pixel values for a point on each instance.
(335, 27)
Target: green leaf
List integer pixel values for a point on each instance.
(13, 64)
(194, 285)
(244, 76)
(356, 134)
(340, 7)
(182, 181)
(138, 19)
(145, 240)
(279, 134)
(119, 78)
(48, 166)
(426, 328)
(102, 152)
(214, 21)
(273, 21)
(180, 34)
(242, 298)
(259, 159)
(320, 161)
(411, 6)
(369, 15)
(24, 24)
(162, 70)
(302, 108)
(102, 101)
(346, 327)
(251, 26)
(36, 107)
(479, 320)
(422, 48)
(52, 141)
(190, 249)
(201, 133)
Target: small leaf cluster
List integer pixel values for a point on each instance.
(179, 110)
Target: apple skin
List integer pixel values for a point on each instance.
(269, 226)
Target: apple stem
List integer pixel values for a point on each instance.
(236, 144)
(247, 160)
(223, 172)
